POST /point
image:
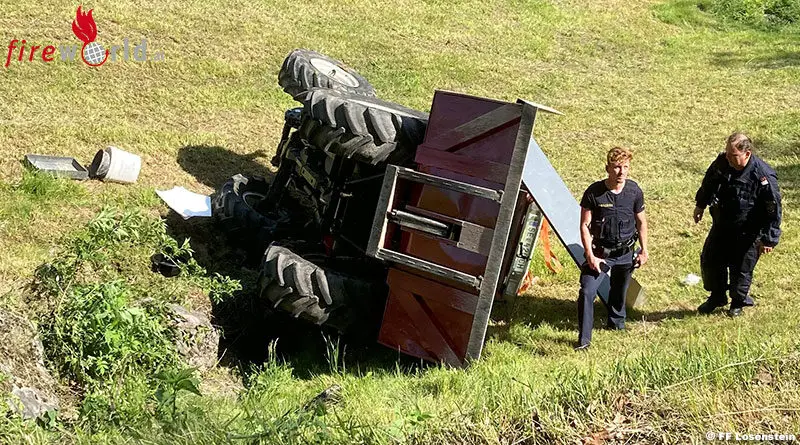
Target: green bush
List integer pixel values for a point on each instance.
(758, 12)
(98, 334)
(107, 332)
(784, 11)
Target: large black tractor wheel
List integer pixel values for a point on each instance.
(235, 207)
(293, 284)
(305, 69)
(366, 129)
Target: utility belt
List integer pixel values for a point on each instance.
(607, 250)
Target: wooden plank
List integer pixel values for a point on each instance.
(450, 184)
(427, 330)
(479, 168)
(434, 291)
(541, 107)
(478, 128)
(427, 266)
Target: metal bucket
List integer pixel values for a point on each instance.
(115, 164)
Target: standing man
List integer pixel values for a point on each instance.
(612, 218)
(745, 201)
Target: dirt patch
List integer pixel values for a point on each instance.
(22, 362)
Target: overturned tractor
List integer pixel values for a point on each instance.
(386, 220)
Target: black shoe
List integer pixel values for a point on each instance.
(708, 307)
(584, 347)
(735, 312)
(611, 327)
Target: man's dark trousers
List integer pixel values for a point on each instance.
(727, 250)
(621, 270)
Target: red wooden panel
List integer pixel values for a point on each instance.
(469, 140)
(450, 111)
(442, 252)
(469, 166)
(427, 319)
(454, 204)
(475, 141)
(443, 294)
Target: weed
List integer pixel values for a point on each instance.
(104, 334)
(222, 288)
(767, 15)
(98, 334)
(43, 187)
(49, 420)
(171, 383)
(334, 353)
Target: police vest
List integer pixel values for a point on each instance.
(613, 215)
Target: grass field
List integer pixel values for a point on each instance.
(670, 80)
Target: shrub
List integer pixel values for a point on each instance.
(758, 12)
(97, 334)
(106, 332)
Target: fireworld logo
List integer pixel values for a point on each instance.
(92, 52)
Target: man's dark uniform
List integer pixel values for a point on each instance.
(746, 209)
(613, 229)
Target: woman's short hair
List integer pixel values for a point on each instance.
(619, 154)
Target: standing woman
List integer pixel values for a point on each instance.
(612, 219)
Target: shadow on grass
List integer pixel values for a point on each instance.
(671, 314)
(250, 327)
(213, 165)
(777, 149)
(562, 315)
(789, 182)
(761, 60)
(693, 168)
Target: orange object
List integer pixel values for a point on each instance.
(527, 282)
(550, 260)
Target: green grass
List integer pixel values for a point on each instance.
(669, 79)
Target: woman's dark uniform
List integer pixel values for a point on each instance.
(613, 229)
(746, 209)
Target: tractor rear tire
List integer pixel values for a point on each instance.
(305, 69)
(235, 207)
(318, 294)
(366, 129)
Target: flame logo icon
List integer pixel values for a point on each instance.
(85, 29)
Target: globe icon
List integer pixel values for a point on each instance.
(94, 53)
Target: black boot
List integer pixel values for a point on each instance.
(710, 304)
(735, 312)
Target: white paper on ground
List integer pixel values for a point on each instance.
(186, 203)
(690, 280)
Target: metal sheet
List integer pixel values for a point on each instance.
(58, 165)
(501, 231)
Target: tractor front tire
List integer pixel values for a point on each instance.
(235, 207)
(305, 69)
(366, 129)
(318, 294)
